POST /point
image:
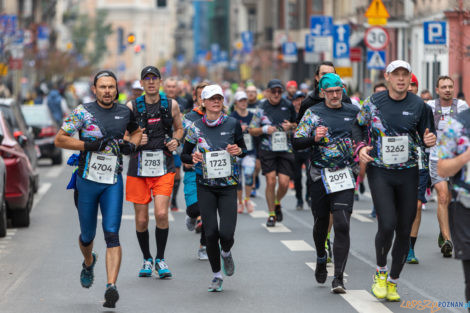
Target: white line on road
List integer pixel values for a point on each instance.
(361, 218)
(54, 171)
(279, 228)
(41, 192)
(297, 245)
(362, 301)
(131, 217)
(259, 214)
(329, 268)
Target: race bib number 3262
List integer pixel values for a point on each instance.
(101, 168)
(395, 149)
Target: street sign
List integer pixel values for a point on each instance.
(344, 71)
(435, 33)
(376, 38)
(309, 43)
(247, 41)
(376, 60)
(215, 52)
(321, 25)
(341, 41)
(377, 13)
(289, 52)
(355, 54)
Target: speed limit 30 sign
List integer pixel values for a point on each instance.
(376, 38)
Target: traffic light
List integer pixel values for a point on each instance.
(131, 39)
(137, 48)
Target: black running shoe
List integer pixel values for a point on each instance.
(271, 221)
(320, 270)
(337, 286)
(278, 211)
(111, 296)
(362, 188)
(447, 248)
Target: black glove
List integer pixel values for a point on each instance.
(127, 147)
(96, 145)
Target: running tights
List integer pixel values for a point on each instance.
(394, 194)
(466, 273)
(221, 200)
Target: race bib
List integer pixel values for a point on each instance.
(151, 164)
(217, 164)
(101, 168)
(338, 180)
(279, 141)
(248, 142)
(394, 149)
(443, 122)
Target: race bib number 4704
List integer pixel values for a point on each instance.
(101, 168)
(395, 149)
(217, 164)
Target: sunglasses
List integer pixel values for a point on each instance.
(334, 91)
(151, 78)
(276, 91)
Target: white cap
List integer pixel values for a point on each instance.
(397, 64)
(136, 85)
(240, 95)
(210, 91)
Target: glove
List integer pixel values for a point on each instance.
(96, 145)
(127, 147)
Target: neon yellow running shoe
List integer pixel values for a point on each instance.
(392, 294)
(379, 287)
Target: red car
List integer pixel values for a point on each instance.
(19, 193)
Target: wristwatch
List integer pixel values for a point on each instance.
(178, 141)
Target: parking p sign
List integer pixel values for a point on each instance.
(435, 33)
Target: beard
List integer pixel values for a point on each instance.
(106, 103)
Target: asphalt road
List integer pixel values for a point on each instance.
(40, 265)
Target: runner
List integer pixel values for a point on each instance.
(170, 87)
(327, 127)
(444, 107)
(247, 164)
(151, 168)
(273, 122)
(101, 126)
(189, 181)
(301, 158)
(454, 157)
(136, 90)
(291, 89)
(391, 121)
(218, 139)
(253, 104)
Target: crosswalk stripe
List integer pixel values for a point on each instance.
(131, 217)
(259, 214)
(279, 228)
(297, 245)
(362, 301)
(361, 218)
(330, 268)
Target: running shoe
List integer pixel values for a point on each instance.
(278, 211)
(249, 206)
(447, 248)
(379, 287)
(300, 205)
(440, 240)
(291, 185)
(392, 294)
(161, 268)
(190, 223)
(228, 266)
(111, 296)
(337, 286)
(198, 228)
(202, 253)
(87, 275)
(320, 270)
(412, 259)
(240, 208)
(362, 188)
(271, 221)
(146, 270)
(253, 193)
(216, 285)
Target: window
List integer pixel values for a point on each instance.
(252, 20)
(161, 3)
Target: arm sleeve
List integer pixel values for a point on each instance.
(426, 121)
(363, 118)
(303, 107)
(239, 141)
(132, 125)
(304, 136)
(74, 121)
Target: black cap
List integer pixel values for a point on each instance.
(298, 94)
(275, 83)
(150, 70)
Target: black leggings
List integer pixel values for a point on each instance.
(466, 273)
(301, 158)
(340, 204)
(193, 212)
(394, 194)
(224, 201)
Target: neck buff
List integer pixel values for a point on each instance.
(215, 123)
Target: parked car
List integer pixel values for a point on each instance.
(19, 191)
(22, 133)
(44, 129)
(3, 207)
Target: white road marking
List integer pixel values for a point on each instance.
(330, 268)
(297, 245)
(54, 171)
(11, 231)
(131, 217)
(259, 214)
(363, 301)
(361, 218)
(279, 228)
(41, 192)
